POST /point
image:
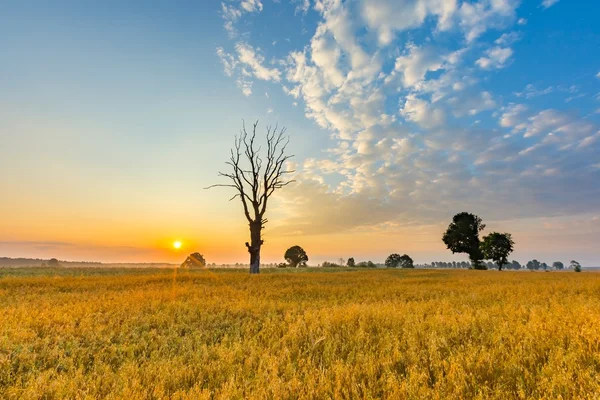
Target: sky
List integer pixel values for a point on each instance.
(114, 117)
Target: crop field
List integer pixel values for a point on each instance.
(157, 334)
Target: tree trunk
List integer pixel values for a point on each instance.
(254, 246)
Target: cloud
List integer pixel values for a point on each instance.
(531, 91)
(251, 5)
(478, 17)
(414, 65)
(495, 58)
(248, 55)
(422, 113)
(387, 17)
(416, 130)
(472, 105)
(229, 62)
(549, 3)
(232, 12)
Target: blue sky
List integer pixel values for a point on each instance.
(401, 113)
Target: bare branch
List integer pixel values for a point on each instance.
(258, 179)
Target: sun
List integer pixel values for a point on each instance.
(177, 244)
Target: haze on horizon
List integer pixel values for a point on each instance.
(114, 117)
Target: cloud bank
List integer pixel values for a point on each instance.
(416, 135)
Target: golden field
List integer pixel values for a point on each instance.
(298, 334)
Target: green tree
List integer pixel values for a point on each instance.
(558, 265)
(530, 265)
(53, 263)
(194, 260)
(533, 265)
(462, 236)
(296, 256)
(496, 247)
(366, 264)
(406, 261)
(393, 260)
(351, 263)
(575, 265)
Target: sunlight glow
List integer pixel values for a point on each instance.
(177, 244)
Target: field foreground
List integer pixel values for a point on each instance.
(353, 334)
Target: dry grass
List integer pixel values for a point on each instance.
(361, 334)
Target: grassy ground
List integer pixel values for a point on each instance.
(75, 333)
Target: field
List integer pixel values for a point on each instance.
(93, 333)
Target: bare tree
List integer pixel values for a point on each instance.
(255, 182)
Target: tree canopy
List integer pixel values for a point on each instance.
(558, 265)
(393, 260)
(194, 260)
(351, 263)
(296, 256)
(497, 247)
(462, 236)
(406, 261)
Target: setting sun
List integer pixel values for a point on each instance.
(177, 244)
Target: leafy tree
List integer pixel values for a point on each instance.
(194, 260)
(327, 264)
(544, 266)
(575, 265)
(558, 265)
(530, 265)
(351, 263)
(393, 260)
(53, 262)
(406, 261)
(462, 236)
(366, 264)
(497, 246)
(533, 265)
(296, 256)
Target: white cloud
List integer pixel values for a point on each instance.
(414, 66)
(422, 113)
(508, 39)
(478, 17)
(232, 12)
(531, 91)
(387, 17)
(248, 56)
(302, 7)
(404, 148)
(229, 62)
(549, 3)
(251, 5)
(495, 58)
(245, 86)
(472, 105)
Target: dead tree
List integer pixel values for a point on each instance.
(255, 182)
